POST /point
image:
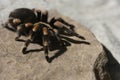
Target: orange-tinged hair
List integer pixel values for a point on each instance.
(16, 21)
(58, 24)
(28, 24)
(35, 28)
(45, 31)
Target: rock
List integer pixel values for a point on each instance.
(78, 61)
(100, 67)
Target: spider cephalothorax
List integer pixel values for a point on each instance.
(35, 24)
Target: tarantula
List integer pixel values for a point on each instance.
(35, 24)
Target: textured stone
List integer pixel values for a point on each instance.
(73, 62)
(100, 67)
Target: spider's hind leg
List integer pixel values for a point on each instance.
(27, 42)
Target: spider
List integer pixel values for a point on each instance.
(35, 24)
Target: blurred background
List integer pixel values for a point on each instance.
(102, 17)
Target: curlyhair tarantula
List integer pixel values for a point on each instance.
(34, 23)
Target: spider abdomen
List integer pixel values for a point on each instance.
(24, 14)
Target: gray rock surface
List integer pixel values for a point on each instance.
(75, 62)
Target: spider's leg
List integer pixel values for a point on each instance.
(64, 27)
(44, 16)
(9, 24)
(46, 42)
(20, 28)
(23, 28)
(55, 33)
(27, 42)
(30, 39)
(60, 24)
(37, 13)
(66, 23)
(25, 46)
(5, 24)
(51, 22)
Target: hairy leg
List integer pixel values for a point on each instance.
(37, 13)
(46, 42)
(44, 16)
(8, 25)
(64, 27)
(20, 28)
(27, 42)
(55, 33)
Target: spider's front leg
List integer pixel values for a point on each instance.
(46, 42)
(30, 39)
(64, 27)
(27, 42)
(26, 45)
(19, 31)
